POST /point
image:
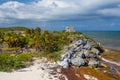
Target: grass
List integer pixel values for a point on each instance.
(24, 57)
(10, 62)
(55, 56)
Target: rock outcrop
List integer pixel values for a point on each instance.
(81, 52)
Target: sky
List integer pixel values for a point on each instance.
(84, 15)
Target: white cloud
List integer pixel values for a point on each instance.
(110, 12)
(56, 9)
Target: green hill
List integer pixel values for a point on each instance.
(16, 28)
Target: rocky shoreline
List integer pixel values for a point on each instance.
(78, 73)
(85, 52)
(45, 70)
(82, 52)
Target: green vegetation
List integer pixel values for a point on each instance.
(17, 28)
(9, 61)
(55, 56)
(46, 41)
(15, 40)
(24, 57)
(18, 45)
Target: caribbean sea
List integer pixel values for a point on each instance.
(109, 39)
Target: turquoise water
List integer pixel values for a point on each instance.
(109, 39)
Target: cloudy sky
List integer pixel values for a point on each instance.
(57, 14)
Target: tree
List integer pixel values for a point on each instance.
(1, 38)
(37, 42)
(27, 32)
(37, 30)
(14, 40)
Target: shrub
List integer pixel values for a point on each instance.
(8, 62)
(19, 64)
(54, 56)
(39, 54)
(24, 57)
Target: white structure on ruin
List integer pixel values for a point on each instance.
(70, 29)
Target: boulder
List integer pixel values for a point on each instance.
(78, 49)
(93, 63)
(78, 61)
(64, 64)
(91, 55)
(79, 42)
(86, 52)
(87, 46)
(79, 53)
(84, 42)
(81, 46)
(63, 56)
(68, 54)
(94, 50)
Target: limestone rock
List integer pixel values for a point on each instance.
(78, 61)
(79, 53)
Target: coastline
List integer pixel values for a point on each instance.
(111, 54)
(109, 39)
(78, 74)
(50, 71)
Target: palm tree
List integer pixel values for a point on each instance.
(1, 38)
(37, 30)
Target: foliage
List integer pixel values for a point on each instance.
(54, 56)
(24, 57)
(9, 62)
(47, 42)
(38, 54)
(15, 28)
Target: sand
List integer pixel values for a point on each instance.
(38, 71)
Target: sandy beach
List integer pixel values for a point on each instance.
(38, 71)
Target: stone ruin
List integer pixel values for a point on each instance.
(82, 52)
